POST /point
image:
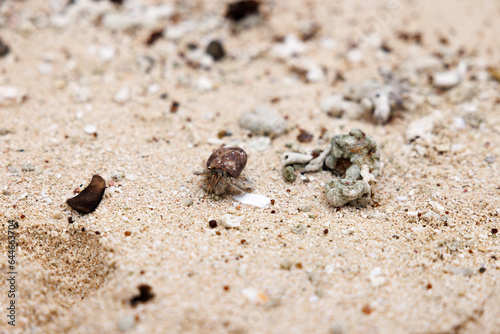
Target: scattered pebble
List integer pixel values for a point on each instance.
(88, 200)
(27, 167)
(304, 136)
(288, 174)
(290, 47)
(229, 220)
(4, 49)
(215, 50)
(304, 208)
(126, 323)
(239, 10)
(212, 223)
(449, 79)
(376, 277)
(10, 95)
(299, 228)
(189, 202)
(14, 169)
(90, 129)
(255, 296)
(286, 264)
(145, 295)
(264, 120)
(204, 84)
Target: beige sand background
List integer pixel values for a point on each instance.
(80, 277)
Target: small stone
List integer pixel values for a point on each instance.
(204, 84)
(212, 223)
(189, 202)
(90, 129)
(304, 208)
(489, 159)
(10, 95)
(239, 10)
(126, 323)
(290, 47)
(27, 167)
(117, 176)
(264, 120)
(215, 50)
(4, 49)
(88, 200)
(286, 264)
(288, 174)
(304, 136)
(229, 220)
(14, 169)
(299, 228)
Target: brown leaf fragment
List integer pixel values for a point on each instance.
(88, 200)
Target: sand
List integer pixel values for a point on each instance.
(423, 258)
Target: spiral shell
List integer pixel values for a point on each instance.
(229, 159)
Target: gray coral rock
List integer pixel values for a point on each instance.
(356, 157)
(356, 148)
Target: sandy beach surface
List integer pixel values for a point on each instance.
(127, 91)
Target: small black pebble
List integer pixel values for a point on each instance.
(88, 200)
(325, 231)
(4, 49)
(395, 236)
(238, 10)
(154, 36)
(212, 223)
(145, 295)
(164, 96)
(216, 50)
(70, 220)
(494, 231)
(482, 270)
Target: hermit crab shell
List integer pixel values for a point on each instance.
(229, 159)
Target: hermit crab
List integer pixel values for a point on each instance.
(224, 167)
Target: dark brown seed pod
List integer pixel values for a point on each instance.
(224, 166)
(229, 159)
(88, 200)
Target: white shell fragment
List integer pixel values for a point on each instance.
(449, 79)
(260, 201)
(11, 95)
(90, 129)
(290, 158)
(231, 220)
